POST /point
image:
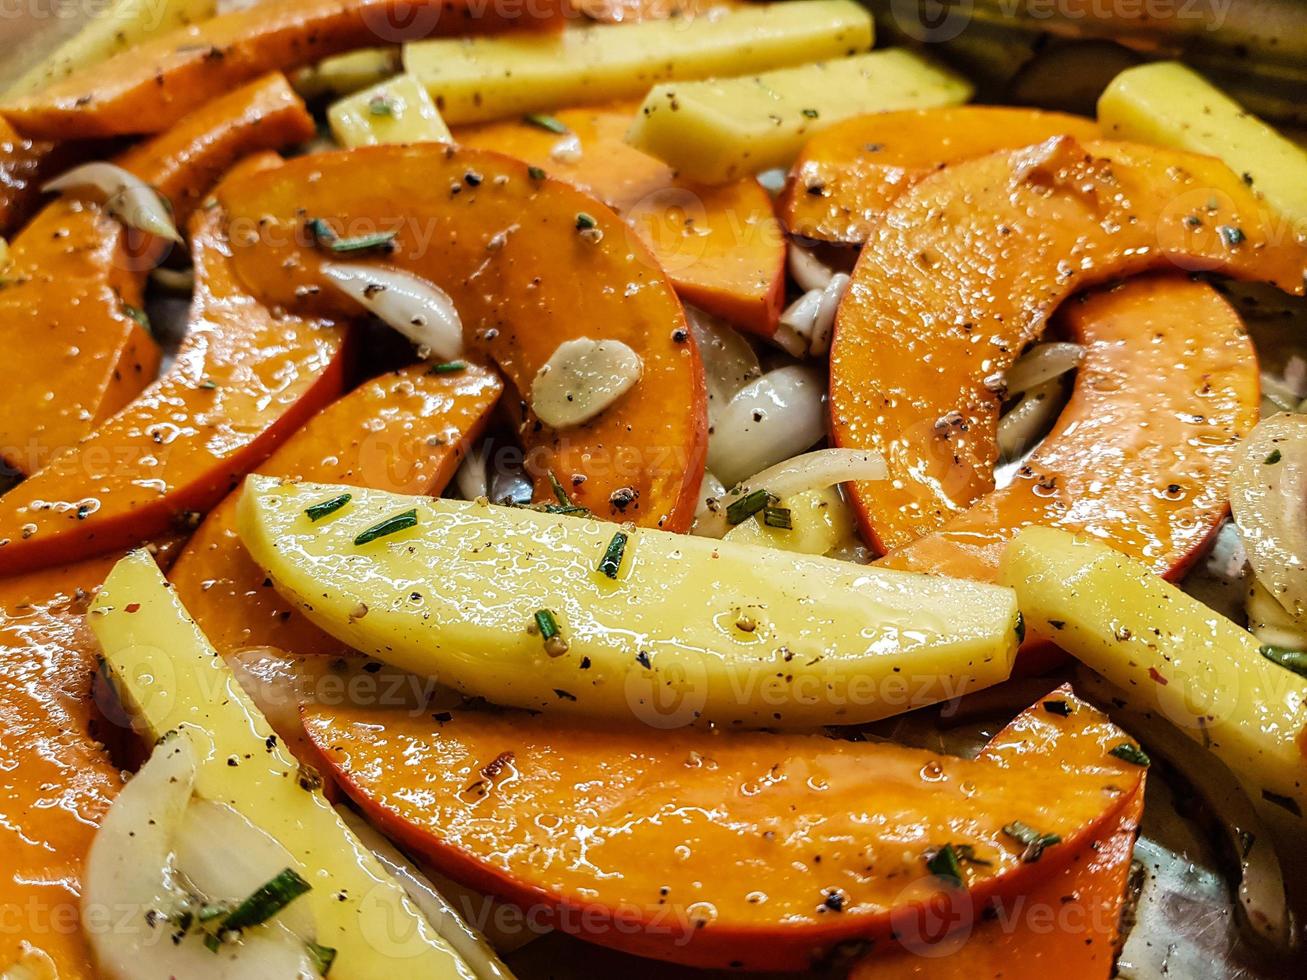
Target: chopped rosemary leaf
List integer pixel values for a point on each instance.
(584, 222)
(322, 956)
(379, 105)
(448, 367)
(611, 563)
(208, 913)
(211, 942)
(778, 517)
(267, 900)
(1230, 234)
(1131, 753)
(1274, 457)
(546, 623)
(319, 231)
(572, 510)
(319, 511)
(943, 863)
(560, 491)
(364, 243)
(535, 173)
(137, 314)
(1035, 842)
(1294, 660)
(545, 121)
(400, 522)
(739, 511)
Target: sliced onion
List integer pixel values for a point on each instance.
(1042, 363)
(1268, 495)
(807, 270)
(789, 340)
(582, 379)
(801, 315)
(824, 324)
(1020, 428)
(811, 471)
(470, 945)
(729, 361)
(711, 493)
(511, 488)
(420, 310)
(472, 478)
(128, 198)
(775, 417)
(1262, 894)
(1270, 622)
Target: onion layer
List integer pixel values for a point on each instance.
(128, 198)
(420, 310)
(729, 361)
(775, 417)
(1020, 428)
(1042, 363)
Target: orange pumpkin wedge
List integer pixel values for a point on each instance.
(24, 165)
(405, 432)
(850, 173)
(751, 851)
(1141, 455)
(1068, 924)
(155, 84)
(244, 379)
(964, 271)
(73, 349)
(529, 263)
(721, 246)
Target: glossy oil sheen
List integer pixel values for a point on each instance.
(721, 245)
(1142, 453)
(726, 846)
(964, 271)
(507, 248)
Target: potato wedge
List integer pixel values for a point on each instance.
(720, 130)
(1195, 668)
(696, 628)
(1168, 104)
(395, 111)
(168, 675)
(476, 79)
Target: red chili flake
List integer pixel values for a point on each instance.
(131, 607)
(1158, 678)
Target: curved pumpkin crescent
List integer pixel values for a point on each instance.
(964, 271)
(529, 263)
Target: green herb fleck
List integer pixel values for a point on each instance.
(546, 623)
(1230, 234)
(739, 511)
(448, 367)
(318, 511)
(364, 243)
(137, 314)
(208, 913)
(1274, 457)
(380, 105)
(1294, 660)
(1131, 753)
(585, 222)
(208, 384)
(611, 563)
(400, 522)
(1035, 841)
(211, 942)
(778, 517)
(811, 113)
(542, 120)
(944, 863)
(322, 956)
(319, 231)
(267, 900)
(560, 491)
(535, 173)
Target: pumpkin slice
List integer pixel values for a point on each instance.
(405, 432)
(1142, 453)
(24, 165)
(721, 246)
(965, 269)
(751, 851)
(848, 174)
(1069, 922)
(74, 347)
(243, 380)
(153, 85)
(529, 263)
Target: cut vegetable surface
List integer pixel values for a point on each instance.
(169, 676)
(243, 380)
(529, 264)
(405, 432)
(963, 273)
(157, 83)
(476, 79)
(722, 849)
(849, 173)
(1195, 668)
(689, 629)
(720, 130)
(75, 346)
(398, 110)
(721, 246)
(1141, 455)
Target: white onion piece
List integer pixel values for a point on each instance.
(773, 180)
(566, 150)
(811, 471)
(776, 417)
(1020, 428)
(807, 270)
(472, 478)
(444, 918)
(729, 361)
(581, 379)
(801, 315)
(824, 324)
(1269, 502)
(1042, 363)
(128, 198)
(1270, 622)
(711, 492)
(511, 488)
(420, 310)
(130, 868)
(1261, 886)
(789, 340)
